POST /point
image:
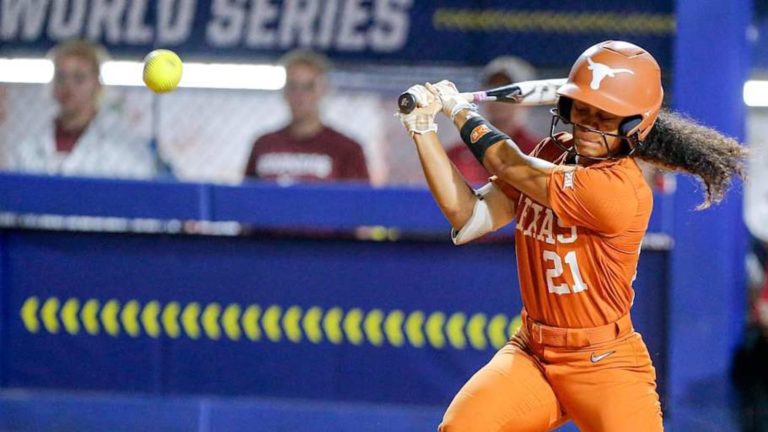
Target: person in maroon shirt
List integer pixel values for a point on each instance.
(306, 150)
(507, 117)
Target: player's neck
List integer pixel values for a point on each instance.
(306, 127)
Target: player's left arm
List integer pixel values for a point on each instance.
(568, 190)
(504, 159)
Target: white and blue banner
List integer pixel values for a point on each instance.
(548, 33)
(309, 313)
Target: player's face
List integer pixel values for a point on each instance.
(75, 85)
(586, 119)
(304, 88)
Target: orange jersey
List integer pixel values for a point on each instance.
(577, 259)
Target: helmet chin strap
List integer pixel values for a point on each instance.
(603, 135)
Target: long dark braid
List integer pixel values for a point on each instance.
(679, 143)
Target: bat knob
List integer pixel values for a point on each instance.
(406, 103)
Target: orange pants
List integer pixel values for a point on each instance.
(532, 386)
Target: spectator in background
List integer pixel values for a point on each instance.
(84, 139)
(306, 150)
(509, 118)
(749, 368)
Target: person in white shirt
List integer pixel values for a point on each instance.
(84, 139)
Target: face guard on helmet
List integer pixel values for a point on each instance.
(619, 78)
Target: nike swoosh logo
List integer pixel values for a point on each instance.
(597, 358)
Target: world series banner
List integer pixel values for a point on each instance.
(548, 33)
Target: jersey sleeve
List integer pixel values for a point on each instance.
(601, 199)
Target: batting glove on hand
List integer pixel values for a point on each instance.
(422, 119)
(453, 102)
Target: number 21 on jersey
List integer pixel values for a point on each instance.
(557, 271)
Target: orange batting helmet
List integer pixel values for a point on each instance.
(620, 78)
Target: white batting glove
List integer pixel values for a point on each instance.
(422, 119)
(452, 101)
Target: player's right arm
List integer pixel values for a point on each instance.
(471, 213)
(453, 195)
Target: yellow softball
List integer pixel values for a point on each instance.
(162, 70)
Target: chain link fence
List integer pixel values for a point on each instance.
(205, 135)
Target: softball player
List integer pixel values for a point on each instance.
(582, 209)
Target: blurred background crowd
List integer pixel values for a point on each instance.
(209, 134)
